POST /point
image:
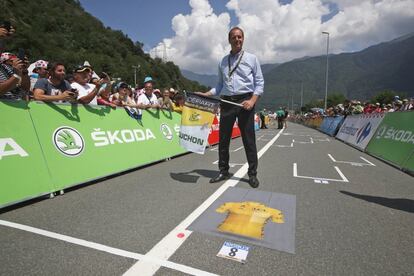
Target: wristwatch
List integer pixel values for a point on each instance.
(17, 77)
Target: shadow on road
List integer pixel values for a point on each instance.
(402, 204)
(192, 176)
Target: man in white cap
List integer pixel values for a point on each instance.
(39, 72)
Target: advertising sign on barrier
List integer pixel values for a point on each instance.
(330, 124)
(82, 143)
(23, 170)
(357, 130)
(394, 140)
(213, 137)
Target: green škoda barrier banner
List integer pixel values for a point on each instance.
(49, 147)
(394, 140)
(82, 143)
(23, 170)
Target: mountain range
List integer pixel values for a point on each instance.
(387, 66)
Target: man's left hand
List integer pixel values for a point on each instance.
(248, 104)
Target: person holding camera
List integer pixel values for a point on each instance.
(14, 80)
(88, 92)
(55, 88)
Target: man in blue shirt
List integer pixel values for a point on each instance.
(241, 82)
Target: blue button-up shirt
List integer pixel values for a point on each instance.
(246, 78)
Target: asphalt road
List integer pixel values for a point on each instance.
(361, 226)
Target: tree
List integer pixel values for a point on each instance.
(384, 97)
(335, 99)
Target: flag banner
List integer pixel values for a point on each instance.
(197, 117)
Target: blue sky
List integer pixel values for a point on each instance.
(142, 20)
(193, 33)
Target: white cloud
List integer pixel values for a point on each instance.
(278, 33)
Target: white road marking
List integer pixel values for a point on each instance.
(343, 178)
(239, 148)
(311, 141)
(286, 146)
(232, 165)
(166, 247)
(367, 163)
(323, 140)
(104, 248)
(216, 149)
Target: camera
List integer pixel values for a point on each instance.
(6, 25)
(21, 55)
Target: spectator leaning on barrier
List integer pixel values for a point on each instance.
(87, 92)
(165, 101)
(39, 72)
(123, 96)
(55, 88)
(178, 103)
(103, 98)
(172, 93)
(14, 80)
(148, 99)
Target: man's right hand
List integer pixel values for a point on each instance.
(67, 96)
(18, 66)
(205, 94)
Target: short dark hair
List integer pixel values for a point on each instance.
(51, 66)
(236, 28)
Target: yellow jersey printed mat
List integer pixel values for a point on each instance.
(257, 217)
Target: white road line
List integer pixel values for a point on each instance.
(343, 178)
(368, 163)
(239, 148)
(232, 165)
(372, 164)
(166, 247)
(108, 249)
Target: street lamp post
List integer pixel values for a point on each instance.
(135, 73)
(327, 69)
(301, 97)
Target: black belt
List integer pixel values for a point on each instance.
(237, 97)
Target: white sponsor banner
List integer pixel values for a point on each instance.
(194, 138)
(358, 130)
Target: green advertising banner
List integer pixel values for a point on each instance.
(22, 165)
(394, 140)
(82, 143)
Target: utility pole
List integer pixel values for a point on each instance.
(327, 69)
(136, 67)
(301, 97)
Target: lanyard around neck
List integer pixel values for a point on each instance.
(231, 71)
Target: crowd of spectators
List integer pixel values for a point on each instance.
(49, 82)
(356, 107)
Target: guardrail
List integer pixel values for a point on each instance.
(387, 136)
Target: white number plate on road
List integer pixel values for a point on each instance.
(234, 252)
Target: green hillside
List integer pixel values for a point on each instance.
(60, 30)
(360, 75)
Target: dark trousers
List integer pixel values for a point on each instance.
(279, 123)
(228, 115)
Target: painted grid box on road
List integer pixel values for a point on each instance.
(22, 166)
(357, 130)
(82, 143)
(394, 140)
